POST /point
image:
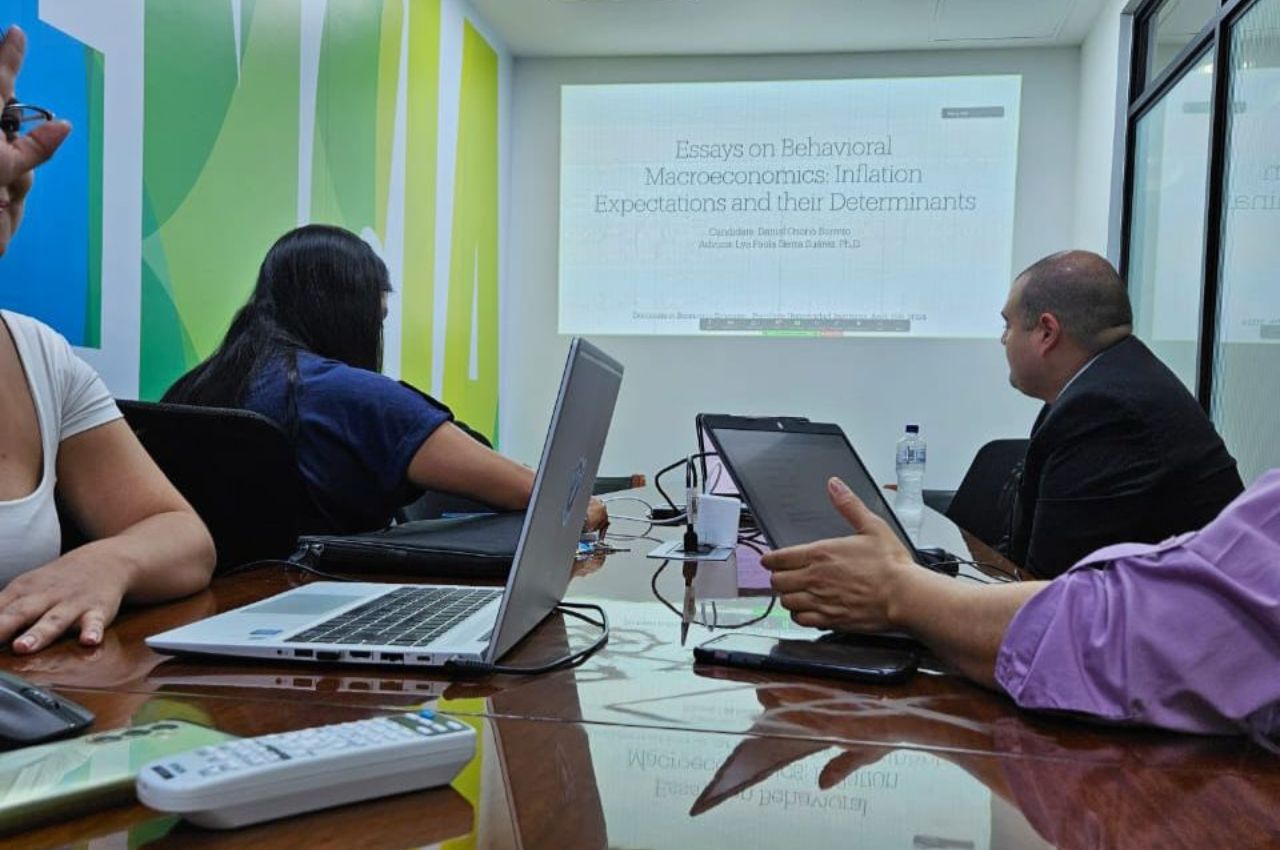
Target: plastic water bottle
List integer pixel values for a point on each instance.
(909, 504)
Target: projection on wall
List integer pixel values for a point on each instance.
(880, 207)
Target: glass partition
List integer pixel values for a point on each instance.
(1166, 234)
(1246, 385)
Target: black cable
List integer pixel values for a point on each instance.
(961, 562)
(691, 506)
(297, 561)
(316, 571)
(253, 565)
(573, 659)
(715, 624)
(657, 482)
(1015, 575)
(983, 565)
(657, 479)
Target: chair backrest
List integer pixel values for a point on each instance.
(235, 467)
(982, 503)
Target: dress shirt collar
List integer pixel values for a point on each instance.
(1081, 371)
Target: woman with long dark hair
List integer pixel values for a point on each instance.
(305, 352)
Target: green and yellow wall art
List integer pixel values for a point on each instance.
(205, 130)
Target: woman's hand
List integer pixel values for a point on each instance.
(40, 605)
(149, 547)
(18, 157)
(597, 517)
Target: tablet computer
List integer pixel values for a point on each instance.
(781, 466)
(835, 659)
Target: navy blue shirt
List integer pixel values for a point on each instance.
(356, 433)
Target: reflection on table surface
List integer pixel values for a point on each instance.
(639, 747)
(538, 784)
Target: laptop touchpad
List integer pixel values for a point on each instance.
(302, 603)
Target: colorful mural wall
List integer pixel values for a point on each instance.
(54, 270)
(205, 130)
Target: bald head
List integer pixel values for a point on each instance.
(1083, 291)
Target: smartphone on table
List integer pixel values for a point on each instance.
(834, 659)
(76, 775)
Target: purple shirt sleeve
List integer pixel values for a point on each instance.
(1183, 635)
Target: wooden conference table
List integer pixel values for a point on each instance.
(639, 748)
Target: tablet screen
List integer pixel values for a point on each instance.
(783, 475)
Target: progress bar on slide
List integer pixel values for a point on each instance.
(814, 326)
(973, 112)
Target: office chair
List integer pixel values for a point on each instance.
(982, 503)
(235, 467)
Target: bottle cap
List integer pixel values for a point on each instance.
(913, 429)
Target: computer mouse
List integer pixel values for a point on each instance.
(939, 560)
(30, 714)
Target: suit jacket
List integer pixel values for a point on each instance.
(1124, 454)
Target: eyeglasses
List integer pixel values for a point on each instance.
(16, 114)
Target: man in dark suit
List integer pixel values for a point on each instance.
(1121, 451)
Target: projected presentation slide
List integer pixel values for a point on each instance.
(833, 207)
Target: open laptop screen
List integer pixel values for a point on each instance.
(543, 562)
(782, 467)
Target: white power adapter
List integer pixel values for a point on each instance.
(716, 519)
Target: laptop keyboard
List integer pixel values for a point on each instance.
(408, 616)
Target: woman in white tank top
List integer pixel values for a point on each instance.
(60, 432)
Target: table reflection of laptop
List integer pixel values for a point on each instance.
(416, 690)
(781, 465)
(545, 772)
(432, 625)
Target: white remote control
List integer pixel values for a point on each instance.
(273, 776)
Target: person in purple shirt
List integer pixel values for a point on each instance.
(1182, 635)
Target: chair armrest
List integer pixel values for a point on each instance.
(939, 500)
(616, 483)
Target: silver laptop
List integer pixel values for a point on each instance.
(431, 625)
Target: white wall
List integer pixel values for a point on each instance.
(1098, 164)
(956, 390)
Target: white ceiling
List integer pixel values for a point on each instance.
(697, 27)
